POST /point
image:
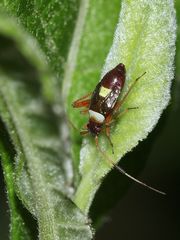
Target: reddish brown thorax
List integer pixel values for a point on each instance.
(104, 98)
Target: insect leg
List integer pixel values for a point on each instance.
(107, 126)
(129, 90)
(81, 102)
(118, 115)
(122, 171)
(85, 111)
(119, 103)
(84, 130)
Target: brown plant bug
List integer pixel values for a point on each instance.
(103, 106)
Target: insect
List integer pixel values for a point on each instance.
(103, 106)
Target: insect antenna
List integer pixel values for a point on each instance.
(122, 171)
(83, 132)
(136, 180)
(112, 146)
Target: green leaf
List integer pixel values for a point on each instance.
(19, 227)
(85, 59)
(42, 172)
(52, 24)
(144, 41)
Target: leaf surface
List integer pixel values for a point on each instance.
(42, 172)
(19, 228)
(51, 23)
(85, 60)
(145, 42)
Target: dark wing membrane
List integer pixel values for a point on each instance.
(108, 103)
(96, 100)
(104, 105)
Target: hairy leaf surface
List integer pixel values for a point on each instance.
(52, 24)
(145, 42)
